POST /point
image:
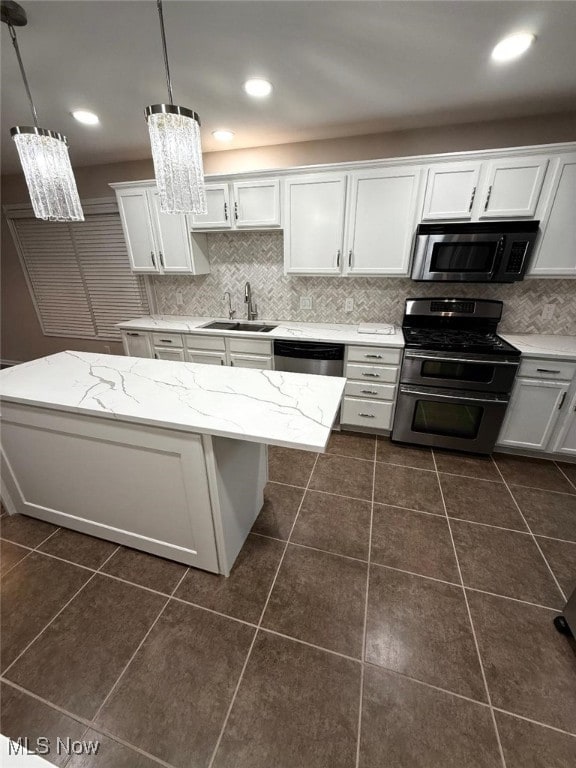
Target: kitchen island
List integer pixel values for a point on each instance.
(163, 456)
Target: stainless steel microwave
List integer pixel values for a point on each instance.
(494, 252)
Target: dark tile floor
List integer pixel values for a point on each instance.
(392, 609)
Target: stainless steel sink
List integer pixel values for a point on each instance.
(231, 326)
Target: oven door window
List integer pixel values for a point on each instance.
(476, 257)
(450, 419)
(466, 371)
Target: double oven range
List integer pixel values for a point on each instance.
(456, 375)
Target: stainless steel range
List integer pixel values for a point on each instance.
(456, 375)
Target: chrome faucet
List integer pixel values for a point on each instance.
(252, 309)
(228, 297)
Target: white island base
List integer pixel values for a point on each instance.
(188, 497)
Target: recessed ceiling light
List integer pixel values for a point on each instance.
(258, 87)
(513, 46)
(86, 117)
(223, 135)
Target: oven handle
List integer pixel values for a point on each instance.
(457, 359)
(404, 391)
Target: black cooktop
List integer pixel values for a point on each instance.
(447, 340)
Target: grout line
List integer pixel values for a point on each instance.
(268, 631)
(535, 722)
(327, 552)
(53, 619)
(363, 656)
(426, 684)
(131, 747)
(476, 644)
(211, 610)
(488, 525)
(565, 475)
(515, 599)
(140, 644)
(534, 539)
(535, 488)
(246, 660)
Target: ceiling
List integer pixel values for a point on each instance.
(338, 68)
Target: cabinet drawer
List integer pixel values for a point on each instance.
(167, 339)
(250, 346)
(367, 413)
(199, 341)
(374, 355)
(378, 373)
(370, 390)
(251, 361)
(547, 369)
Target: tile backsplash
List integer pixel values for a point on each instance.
(257, 257)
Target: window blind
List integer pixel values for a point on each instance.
(79, 276)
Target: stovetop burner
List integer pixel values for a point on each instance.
(441, 339)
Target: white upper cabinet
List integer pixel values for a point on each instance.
(511, 187)
(256, 203)
(556, 249)
(218, 204)
(158, 242)
(138, 229)
(314, 224)
(381, 221)
(241, 205)
(451, 191)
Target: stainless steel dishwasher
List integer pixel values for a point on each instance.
(309, 357)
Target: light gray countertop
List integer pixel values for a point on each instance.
(537, 345)
(339, 332)
(287, 409)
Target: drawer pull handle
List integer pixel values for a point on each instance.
(132, 333)
(372, 375)
(368, 392)
(374, 357)
(367, 415)
(166, 341)
(547, 370)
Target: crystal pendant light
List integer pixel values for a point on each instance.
(176, 149)
(43, 153)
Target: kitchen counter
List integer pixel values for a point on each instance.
(285, 409)
(329, 332)
(537, 345)
(167, 457)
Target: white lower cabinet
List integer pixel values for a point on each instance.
(251, 361)
(205, 357)
(566, 436)
(532, 413)
(163, 353)
(370, 393)
(137, 344)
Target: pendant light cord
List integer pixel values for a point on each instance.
(166, 65)
(23, 73)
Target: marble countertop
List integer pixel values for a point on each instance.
(537, 345)
(287, 409)
(345, 334)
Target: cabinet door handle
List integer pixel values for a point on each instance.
(546, 370)
(562, 400)
(472, 199)
(226, 211)
(368, 392)
(374, 357)
(153, 259)
(161, 258)
(236, 211)
(372, 375)
(367, 415)
(488, 197)
(132, 333)
(338, 258)
(222, 362)
(350, 258)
